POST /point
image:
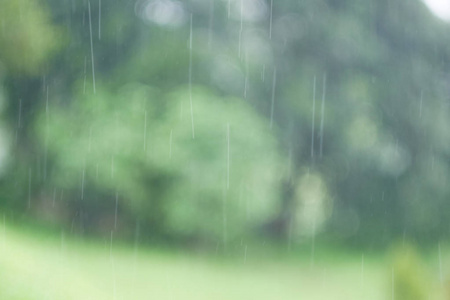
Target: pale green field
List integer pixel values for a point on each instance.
(39, 267)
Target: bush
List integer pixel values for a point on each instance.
(408, 276)
(138, 144)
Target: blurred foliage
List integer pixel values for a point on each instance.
(27, 36)
(137, 145)
(410, 279)
(338, 116)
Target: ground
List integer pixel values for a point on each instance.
(40, 266)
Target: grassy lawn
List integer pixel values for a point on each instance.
(39, 267)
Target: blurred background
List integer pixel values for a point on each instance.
(218, 149)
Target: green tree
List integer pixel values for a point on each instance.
(137, 147)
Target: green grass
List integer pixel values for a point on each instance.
(36, 266)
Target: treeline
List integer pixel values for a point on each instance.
(212, 121)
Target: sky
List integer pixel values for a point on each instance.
(441, 8)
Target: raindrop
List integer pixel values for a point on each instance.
(54, 197)
(113, 269)
(263, 71)
(62, 242)
(145, 130)
(82, 183)
(291, 226)
(84, 81)
(441, 278)
(362, 270)
(190, 79)
(19, 125)
(245, 254)
(181, 111)
(29, 187)
(246, 75)
(313, 242)
(136, 243)
(61, 256)
(313, 118)
(111, 245)
(112, 166)
(92, 45)
(270, 21)
(290, 163)
(393, 290)
(420, 106)
(274, 82)
(228, 156)
(224, 219)
(99, 19)
(4, 232)
(135, 255)
(322, 114)
(46, 102)
(46, 136)
(90, 139)
(211, 21)
(240, 31)
(115, 212)
(170, 145)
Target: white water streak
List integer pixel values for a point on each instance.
(29, 187)
(421, 102)
(362, 270)
(313, 117)
(90, 139)
(92, 45)
(270, 21)
(115, 212)
(145, 130)
(313, 243)
(274, 82)
(4, 232)
(322, 114)
(190, 80)
(99, 19)
(245, 254)
(263, 71)
(393, 287)
(84, 81)
(211, 22)
(112, 166)
(170, 145)
(240, 31)
(228, 156)
(246, 75)
(19, 125)
(441, 277)
(82, 183)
